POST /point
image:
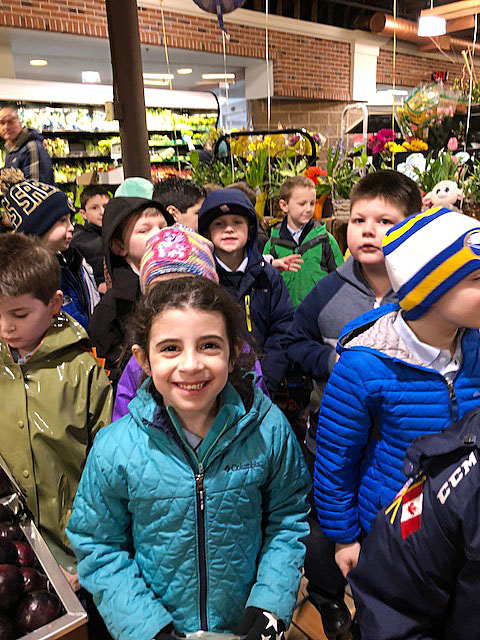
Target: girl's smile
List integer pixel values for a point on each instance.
(189, 361)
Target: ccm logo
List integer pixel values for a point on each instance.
(456, 477)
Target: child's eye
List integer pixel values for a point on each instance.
(210, 345)
(169, 348)
(386, 221)
(20, 316)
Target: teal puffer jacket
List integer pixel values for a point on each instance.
(166, 535)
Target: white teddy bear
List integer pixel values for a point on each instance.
(445, 194)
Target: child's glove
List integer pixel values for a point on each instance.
(261, 625)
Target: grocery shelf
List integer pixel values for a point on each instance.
(59, 159)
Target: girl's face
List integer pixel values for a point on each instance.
(188, 359)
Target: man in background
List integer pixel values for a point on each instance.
(25, 150)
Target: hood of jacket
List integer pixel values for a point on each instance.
(351, 272)
(116, 212)
(464, 434)
(23, 137)
(63, 334)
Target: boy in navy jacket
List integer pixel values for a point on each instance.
(228, 219)
(418, 574)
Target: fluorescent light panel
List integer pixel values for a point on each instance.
(38, 62)
(218, 76)
(158, 76)
(185, 71)
(90, 77)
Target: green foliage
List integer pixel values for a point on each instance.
(215, 172)
(437, 169)
(343, 173)
(472, 185)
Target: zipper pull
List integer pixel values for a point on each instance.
(451, 390)
(200, 489)
(247, 313)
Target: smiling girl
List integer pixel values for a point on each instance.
(191, 510)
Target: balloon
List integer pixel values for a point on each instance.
(219, 7)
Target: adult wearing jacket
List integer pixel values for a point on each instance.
(25, 150)
(257, 286)
(378, 399)
(59, 394)
(418, 574)
(318, 249)
(253, 465)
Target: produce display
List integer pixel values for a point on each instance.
(27, 599)
(65, 173)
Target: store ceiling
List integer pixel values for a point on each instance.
(69, 55)
(346, 13)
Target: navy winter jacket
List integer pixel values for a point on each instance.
(379, 398)
(260, 291)
(30, 156)
(418, 575)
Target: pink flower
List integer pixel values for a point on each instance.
(452, 144)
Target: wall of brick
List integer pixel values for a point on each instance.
(304, 67)
(411, 71)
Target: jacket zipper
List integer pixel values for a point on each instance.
(202, 562)
(453, 400)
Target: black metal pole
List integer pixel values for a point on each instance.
(129, 99)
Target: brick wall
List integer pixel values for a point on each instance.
(411, 71)
(304, 67)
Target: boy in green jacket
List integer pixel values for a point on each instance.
(299, 234)
(56, 395)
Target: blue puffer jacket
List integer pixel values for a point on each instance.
(163, 535)
(378, 399)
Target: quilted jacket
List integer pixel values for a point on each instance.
(166, 535)
(53, 405)
(378, 399)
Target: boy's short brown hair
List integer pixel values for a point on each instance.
(293, 183)
(394, 187)
(27, 266)
(91, 191)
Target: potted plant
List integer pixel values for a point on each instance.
(471, 205)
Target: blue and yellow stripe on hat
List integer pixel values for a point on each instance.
(429, 253)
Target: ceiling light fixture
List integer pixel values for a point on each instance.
(158, 76)
(38, 62)
(90, 77)
(185, 71)
(218, 76)
(430, 26)
(156, 83)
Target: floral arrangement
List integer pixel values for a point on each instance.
(445, 166)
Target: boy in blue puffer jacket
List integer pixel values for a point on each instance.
(191, 512)
(403, 372)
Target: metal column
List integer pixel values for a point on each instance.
(129, 99)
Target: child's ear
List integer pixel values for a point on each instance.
(283, 204)
(55, 303)
(118, 248)
(172, 210)
(83, 213)
(141, 358)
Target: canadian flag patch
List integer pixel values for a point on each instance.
(412, 503)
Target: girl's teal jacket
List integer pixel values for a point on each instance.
(166, 535)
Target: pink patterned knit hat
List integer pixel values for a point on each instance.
(177, 249)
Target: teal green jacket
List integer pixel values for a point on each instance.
(319, 250)
(166, 535)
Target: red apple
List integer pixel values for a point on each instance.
(36, 609)
(11, 586)
(33, 580)
(25, 553)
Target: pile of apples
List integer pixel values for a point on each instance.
(26, 599)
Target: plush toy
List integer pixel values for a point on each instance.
(445, 194)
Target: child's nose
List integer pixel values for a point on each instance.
(190, 360)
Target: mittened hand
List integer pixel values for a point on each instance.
(261, 625)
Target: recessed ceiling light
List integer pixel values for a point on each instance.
(185, 71)
(158, 76)
(218, 76)
(38, 62)
(90, 77)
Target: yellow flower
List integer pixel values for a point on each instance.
(416, 144)
(393, 147)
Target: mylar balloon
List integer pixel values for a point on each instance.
(219, 7)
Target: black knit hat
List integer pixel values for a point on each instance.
(222, 202)
(33, 207)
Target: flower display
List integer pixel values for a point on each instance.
(380, 140)
(452, 144)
